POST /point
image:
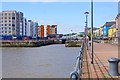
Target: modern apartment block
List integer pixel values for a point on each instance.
(20, 18)
(29, 28)
(48, 31)
(41, 31)
(51, 29)
(24, 27)
(9, 23)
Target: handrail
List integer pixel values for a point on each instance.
(76, 74)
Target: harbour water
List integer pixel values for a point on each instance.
(53, 61)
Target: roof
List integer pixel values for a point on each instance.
(109, 23)
(113, 26)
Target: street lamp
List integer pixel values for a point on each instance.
(91, 31)
(86, 28)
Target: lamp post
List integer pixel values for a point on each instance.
(86, 28)
(92, 32)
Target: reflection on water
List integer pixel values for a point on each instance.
(53, 61)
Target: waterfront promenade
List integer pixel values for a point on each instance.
(100, 68)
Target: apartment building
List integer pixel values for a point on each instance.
(51, 29)
(9, 23)
(20, 29)
(24, 26)
(41, 31)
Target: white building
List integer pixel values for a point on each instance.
(29, 27)
(32, 29)
(9, 23)
(24, 26)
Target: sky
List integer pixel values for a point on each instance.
(69, 16)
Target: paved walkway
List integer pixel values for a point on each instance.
(100, 68)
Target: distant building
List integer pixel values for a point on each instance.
(24, 27)
(20, 28)
(97, 32)
(54, 29)
(30, 28)
(10, 23)
(101, 31)
(51, 31)
(106, 26)
(94, 31)
(48, 31)
(34, 30)
(112, 31)
(41, 31)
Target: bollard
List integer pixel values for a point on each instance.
(113, 69)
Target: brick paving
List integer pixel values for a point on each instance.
(100, 68)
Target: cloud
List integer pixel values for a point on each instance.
(59, 0)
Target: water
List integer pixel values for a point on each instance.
(53, 61)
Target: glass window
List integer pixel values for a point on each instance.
(5, 17)
(5, 31)
(13, 14)
(5, 21)
(9, 14)
(13, 28)
(5, 24)
(13, 25)
(9, 24)
(5, 14)
(9, 17)
(9, 31)
(13, 17)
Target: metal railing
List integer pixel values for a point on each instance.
(76, 74)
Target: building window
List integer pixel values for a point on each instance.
(13, 14)
(9, 17)
(9, 31)
(5, 28)
(13, 25)
(13, 29)
(13, 17)
(9, 28)
(5, 24)
(9, 24)
(9, 20)
(5, 31)
(5, 14)
(5, 17)
(1, 21)
(9, 14)
(5, 21)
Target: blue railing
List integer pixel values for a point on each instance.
(77, 73)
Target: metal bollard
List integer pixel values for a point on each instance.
(113, 63)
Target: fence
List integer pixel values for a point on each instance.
(76, 74)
